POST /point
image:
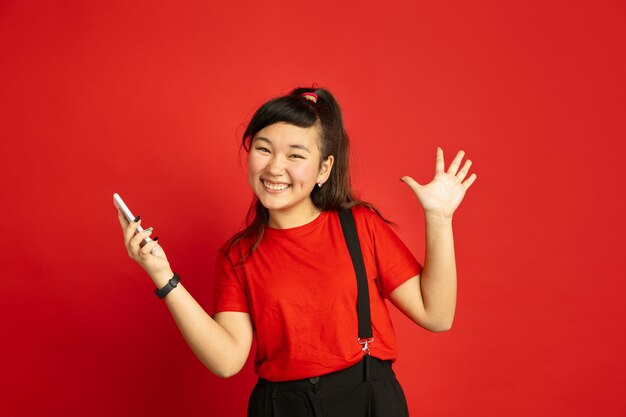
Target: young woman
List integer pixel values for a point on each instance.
(288, 280)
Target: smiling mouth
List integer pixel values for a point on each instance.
(275, 186)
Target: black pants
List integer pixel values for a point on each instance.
(367, 389)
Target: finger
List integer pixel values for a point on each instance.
(463, 172)
(135, 242)
(454, 166)
(148, 247)
(131, 229)
(414, 185)
(158, 250)
(439, 165)
(468, 182)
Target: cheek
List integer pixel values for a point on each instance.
(254, 164)
(306, 174)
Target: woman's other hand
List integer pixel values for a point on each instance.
(444, 193)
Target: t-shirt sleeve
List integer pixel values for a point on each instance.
(229, 292)
(395, 262)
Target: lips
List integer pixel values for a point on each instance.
(274, 186)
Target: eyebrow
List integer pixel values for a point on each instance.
(264, 139)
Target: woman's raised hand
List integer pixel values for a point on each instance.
(151, 256)
(444, 193)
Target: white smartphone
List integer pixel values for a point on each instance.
(118, 202)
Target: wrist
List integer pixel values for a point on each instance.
(167, 288)
(161, 278)
(436, 217)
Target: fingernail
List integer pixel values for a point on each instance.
(137, 219)
(149, 230)
(156, 238)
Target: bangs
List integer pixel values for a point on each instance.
(290, 109)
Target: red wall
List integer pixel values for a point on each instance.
(148, 99)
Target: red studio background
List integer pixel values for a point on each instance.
(149, 100)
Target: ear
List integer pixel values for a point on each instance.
(325, 168)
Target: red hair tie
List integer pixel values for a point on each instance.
(310, 96)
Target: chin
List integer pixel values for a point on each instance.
(270, 203)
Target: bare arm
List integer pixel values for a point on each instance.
(222, 344)
(429, 299)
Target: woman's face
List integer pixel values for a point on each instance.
(283, 167)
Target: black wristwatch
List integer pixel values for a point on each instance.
(171, 284)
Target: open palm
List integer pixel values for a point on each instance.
(445, 192)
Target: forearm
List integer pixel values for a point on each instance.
(438, 279)
(208, 340)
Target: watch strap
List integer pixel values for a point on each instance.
(171, 284)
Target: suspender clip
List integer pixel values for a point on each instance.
(365, 341)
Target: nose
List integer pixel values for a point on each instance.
(275, 166)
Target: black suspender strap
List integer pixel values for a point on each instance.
(363, 299)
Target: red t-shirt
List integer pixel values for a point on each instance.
(300, 290)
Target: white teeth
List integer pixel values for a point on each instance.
(275, 187)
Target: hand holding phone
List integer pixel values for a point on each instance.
(119, 203)
(151, 258)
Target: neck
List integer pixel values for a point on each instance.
(288, 220)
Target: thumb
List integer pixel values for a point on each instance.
(414, 185)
